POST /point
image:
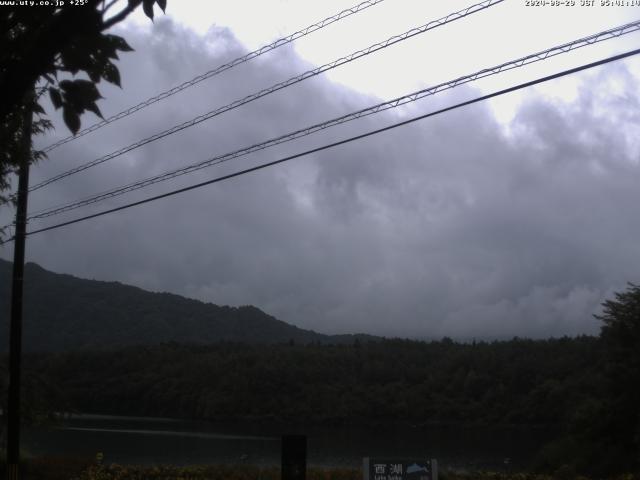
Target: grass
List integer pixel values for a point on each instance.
(72, 468)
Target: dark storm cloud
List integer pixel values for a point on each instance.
(445, 227)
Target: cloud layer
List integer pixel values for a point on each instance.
(450, 226)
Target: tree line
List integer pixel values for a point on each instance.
(521, 382)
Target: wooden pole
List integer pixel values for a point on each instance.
(15, 336)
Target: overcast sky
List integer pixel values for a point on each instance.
(511, 217)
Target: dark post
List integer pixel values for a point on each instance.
(15, 336)
(294, 457)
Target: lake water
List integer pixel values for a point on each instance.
(144, 441)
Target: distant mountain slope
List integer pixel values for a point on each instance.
(63, 312)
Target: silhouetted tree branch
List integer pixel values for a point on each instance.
(36, 44)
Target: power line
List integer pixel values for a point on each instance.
(535, 57)
(274, 88)
(341, 142)
(221, 68)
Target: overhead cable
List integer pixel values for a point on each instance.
(221, 68)
(274, 88)
(535, 57)
(341, 142)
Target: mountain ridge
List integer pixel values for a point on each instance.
(65, 312)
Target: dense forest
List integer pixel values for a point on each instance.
(516, 382)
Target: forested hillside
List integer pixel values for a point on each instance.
(63, 312)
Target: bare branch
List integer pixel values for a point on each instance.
(106, 8)
(124, 13)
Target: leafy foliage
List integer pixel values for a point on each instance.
(38, 43)
(12, 142)
(209, 472)
(603, 434)
(51, 467)
(65, 468)
(619, 424)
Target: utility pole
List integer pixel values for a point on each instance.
(15, 336)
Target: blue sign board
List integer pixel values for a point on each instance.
(399, 469)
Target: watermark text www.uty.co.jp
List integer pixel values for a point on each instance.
(42, 3)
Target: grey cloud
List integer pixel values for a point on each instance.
(444, 227)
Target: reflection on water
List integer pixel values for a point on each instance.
(172, 433)
(144, 441)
